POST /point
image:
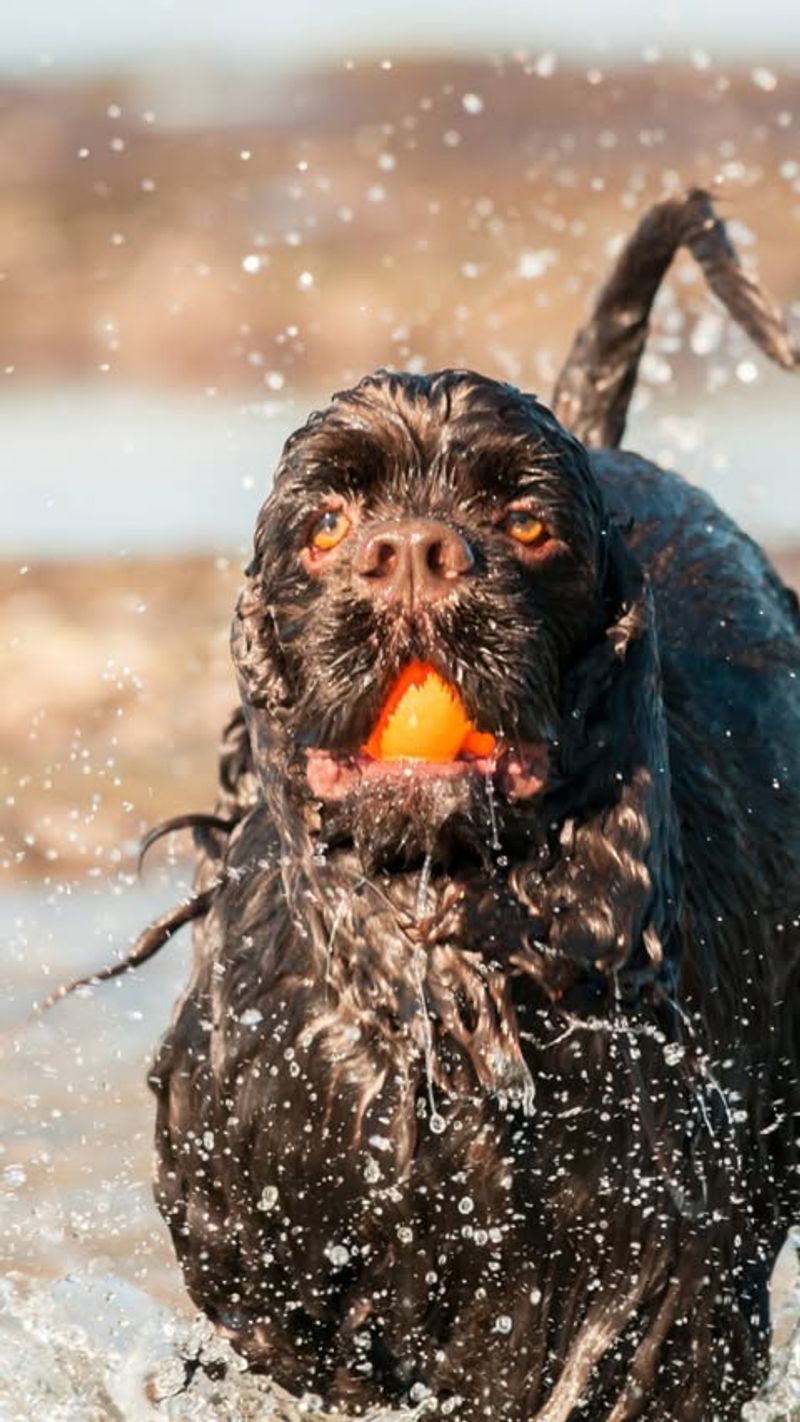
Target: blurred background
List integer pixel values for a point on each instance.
(211, 217)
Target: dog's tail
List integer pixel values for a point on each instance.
(594, 388)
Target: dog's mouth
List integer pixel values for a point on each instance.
(424, 734)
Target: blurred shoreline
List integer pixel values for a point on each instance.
(205, 227)
(117, 683)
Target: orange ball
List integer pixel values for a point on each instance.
(423, 718)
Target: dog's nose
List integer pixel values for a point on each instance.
(413, 560)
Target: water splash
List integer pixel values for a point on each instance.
(336, 923)
(779, 1400)
(436, 1121)
(93, 1348)
(423, 887)
(88, 1348)
(492, 803)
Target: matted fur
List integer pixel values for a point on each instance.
(489, 1099)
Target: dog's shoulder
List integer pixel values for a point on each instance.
(728, 635)
(708, 576)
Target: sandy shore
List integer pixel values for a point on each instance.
(116, 682)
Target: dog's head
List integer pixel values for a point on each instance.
(450, 521)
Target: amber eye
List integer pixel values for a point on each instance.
(329, 530)
(525, 527)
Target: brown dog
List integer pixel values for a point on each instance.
(485, 1085)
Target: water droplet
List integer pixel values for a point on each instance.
(380, 1143)
(338, 1254)
(422, 887)
(251, 1017)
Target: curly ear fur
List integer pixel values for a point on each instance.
(606, 890)
(255, 648)
(258, 662)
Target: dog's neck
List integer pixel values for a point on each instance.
(499, 915)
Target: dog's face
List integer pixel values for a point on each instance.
(445, 520)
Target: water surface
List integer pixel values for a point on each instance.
(94, 1322)
(91, 470)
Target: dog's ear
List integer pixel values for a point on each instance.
(258, 661)
(254, 646)
(608, 899)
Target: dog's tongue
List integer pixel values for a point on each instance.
(423, 718)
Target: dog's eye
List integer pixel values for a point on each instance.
(329, 530)
(525, 528)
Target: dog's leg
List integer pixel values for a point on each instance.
(594, 388)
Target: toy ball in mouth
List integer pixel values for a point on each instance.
(424, 718)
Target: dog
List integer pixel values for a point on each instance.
(484, 1090)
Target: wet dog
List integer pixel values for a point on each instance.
(484, 1088)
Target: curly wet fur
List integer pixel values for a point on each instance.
(498, 1101)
